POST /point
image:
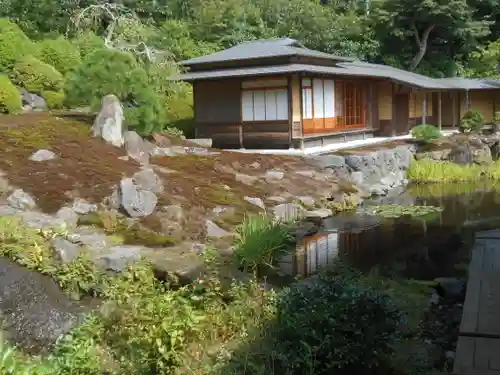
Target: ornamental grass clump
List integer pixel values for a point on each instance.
(261, 241)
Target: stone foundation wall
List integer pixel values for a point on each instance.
(376, 171)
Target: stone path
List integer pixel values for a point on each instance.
(478, 349)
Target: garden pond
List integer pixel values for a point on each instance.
(422, 232)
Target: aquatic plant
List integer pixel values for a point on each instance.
(428, 171)
(261, 241)
(392, 211)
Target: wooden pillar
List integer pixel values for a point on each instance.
(440, 120)
(424, 109)
(467, 99)
(240, 131)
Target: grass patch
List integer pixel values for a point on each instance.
(134, 234)
(261, 241)
(430, 171)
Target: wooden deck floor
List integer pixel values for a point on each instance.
(478, 349)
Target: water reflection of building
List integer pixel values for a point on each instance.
(362, 243)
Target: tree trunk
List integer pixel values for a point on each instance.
(421, 44)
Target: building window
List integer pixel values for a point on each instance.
(265, 100)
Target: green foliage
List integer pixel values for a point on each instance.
(60, 53)
(10, 99)
(14, 44)
(261, 241)
(496, 117)
(472, 121)
(425, 132)
(88, 42)
(54, 99)
(106, 72)
(36, 76)
(425, 171)
(334, 325)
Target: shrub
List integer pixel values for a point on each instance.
(14, 44)
(10, 99)
(472, 121)
(60, 53)
(261, 241)
(334, 326)
(54, 99)
(106, 72)
(88, 42)
(36, 76)
(425, 132)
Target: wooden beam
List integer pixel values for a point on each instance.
(424, 108)
(440, 120)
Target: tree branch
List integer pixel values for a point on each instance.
(421, 44)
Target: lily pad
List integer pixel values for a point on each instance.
(393, 211)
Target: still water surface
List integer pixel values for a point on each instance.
(423, 248)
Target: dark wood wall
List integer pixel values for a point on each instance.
(217, 108)
(217, 111)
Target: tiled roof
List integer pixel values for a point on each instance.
(344, 66)
(262, 49)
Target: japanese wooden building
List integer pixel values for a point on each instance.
(279, 94)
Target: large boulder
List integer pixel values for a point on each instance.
(136, 201)
(109, 122)
(34, 310)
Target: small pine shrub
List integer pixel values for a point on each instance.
(425, 132)
(36, 76)
(60, 53)
(334, 326)
(54, 99)
(472, 121)
(14, 44)
(10, 99)
(104, 72)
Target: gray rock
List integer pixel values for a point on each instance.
(307, 201)
(326, 161)
(200, 151)
(357, 178)
(246, 179)
(147, 179)
(452, 287)
(82, 207)
(4, 183)
(174, 212)
(109, 122)
(137, 148)
(288, 211)
(306, 228)
(91, 238)
(203, 142)
(21, 200)
(223, 210)
(461, 154)
(214, 231)
(66, 250)
(378, 190)
(255, 201)
(198, 248)
(117, 258)
(35, 311)
(43, 155)
(162, 151)
(272, 176)
(69, 216)
(178, 150)
(306, 173)
(39, 220)
(32, 102)
(320, 213)
(135, 201)
(6, 210)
